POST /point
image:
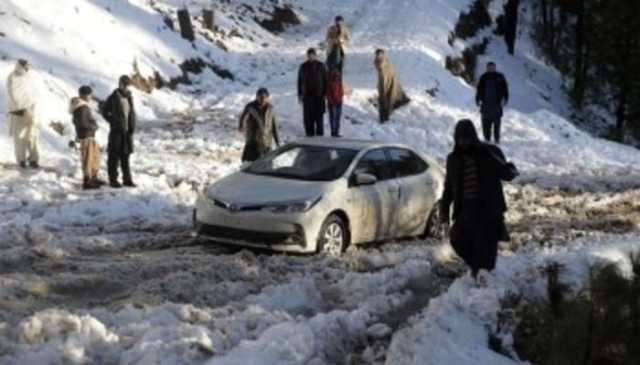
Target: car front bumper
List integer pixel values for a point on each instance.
(280, 232)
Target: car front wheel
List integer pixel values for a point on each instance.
(333, 237)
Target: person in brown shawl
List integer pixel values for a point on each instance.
(390, 93)
(258, 122)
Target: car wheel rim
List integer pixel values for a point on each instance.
(333, 239)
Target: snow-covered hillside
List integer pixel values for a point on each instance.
(94, 42)
(200, 305)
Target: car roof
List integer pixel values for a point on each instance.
(356, 144)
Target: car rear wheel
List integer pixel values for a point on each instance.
(334, 236)
(435, 224)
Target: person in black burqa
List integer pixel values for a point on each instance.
(312, 89)
(473, 183)
(119, 111)
(492, 96)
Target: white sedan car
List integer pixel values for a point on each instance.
(322, 195)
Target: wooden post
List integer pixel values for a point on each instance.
(208, 19)
(186, 28)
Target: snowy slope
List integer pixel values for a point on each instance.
(66, 50)
(94, 42)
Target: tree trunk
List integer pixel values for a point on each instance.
(186, 28)
(621, 111)
(511, 24)
(578, 75)
(208, 19)
(552, 31)
(545, 21)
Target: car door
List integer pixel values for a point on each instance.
(373, 206)
(416, 192)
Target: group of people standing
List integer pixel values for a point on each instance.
(321, 85)
(320, 88)
(118, 110)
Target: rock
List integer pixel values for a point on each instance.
(379, 330)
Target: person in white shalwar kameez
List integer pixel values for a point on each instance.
(22, 91)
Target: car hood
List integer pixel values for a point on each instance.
(249, 189)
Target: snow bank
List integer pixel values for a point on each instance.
(454, 327)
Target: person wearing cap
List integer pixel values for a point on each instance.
(119, 112)
(338, 36)
(86, 127)
(258, 122)
(473, 184)
(24, 125)
(312, 89)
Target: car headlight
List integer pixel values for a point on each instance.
(297, 206)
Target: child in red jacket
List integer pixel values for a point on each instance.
(335, 95)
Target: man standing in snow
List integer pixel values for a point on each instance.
(491, 96)
(473, 183)
(86, 127)
(118, 110)
(390, 93)
(258, 122)
(312, 89)
(22, 92)
(338, 37)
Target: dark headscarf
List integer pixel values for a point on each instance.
(465, 129)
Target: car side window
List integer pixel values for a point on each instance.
(375, 163)
(406, 163)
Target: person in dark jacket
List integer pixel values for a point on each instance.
(473, 183)
(258, 122)
(335, 96)
(312, 89)
(491, 96)
(119, 111)
(86, 127)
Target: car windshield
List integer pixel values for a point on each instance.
(300, 162)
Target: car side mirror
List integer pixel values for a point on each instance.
(365, 179)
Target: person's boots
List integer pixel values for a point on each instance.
(115, 184)
(89, 184)
(98, 181)
(130, 184)
(23, 164)
(34, 165)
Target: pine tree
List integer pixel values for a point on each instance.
(617, 50)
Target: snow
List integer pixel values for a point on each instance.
(454, 327)
(285, 324)
(213, 307)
